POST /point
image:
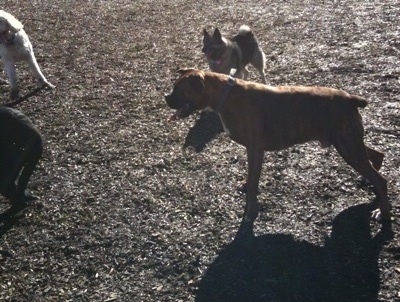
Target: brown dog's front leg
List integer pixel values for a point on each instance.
(255, 159)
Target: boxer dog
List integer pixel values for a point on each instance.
(21, 146)
(265, 118)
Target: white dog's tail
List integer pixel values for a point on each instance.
(14, 24)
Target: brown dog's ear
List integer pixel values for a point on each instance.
(183, 71)
(195, 78)
(196, 81)
(217, 34)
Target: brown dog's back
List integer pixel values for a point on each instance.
(294, 115)
(319, 92)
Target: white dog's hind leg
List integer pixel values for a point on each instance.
(34, 66)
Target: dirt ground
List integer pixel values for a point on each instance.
(134, 208)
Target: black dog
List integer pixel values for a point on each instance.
(21, 146)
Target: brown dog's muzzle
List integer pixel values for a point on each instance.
(170, 102)
(184, 108)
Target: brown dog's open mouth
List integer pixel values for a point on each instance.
(183, 112)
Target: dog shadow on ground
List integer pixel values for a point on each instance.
(206, 128)
(6, 223)
(33, 92)
(276, 267)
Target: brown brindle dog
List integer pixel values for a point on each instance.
(265, 118)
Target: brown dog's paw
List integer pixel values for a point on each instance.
(379, 216)
(376, 215)
(252, 210)
(363, 181)
(29, 196)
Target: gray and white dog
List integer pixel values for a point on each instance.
(224, 54)
(14, 47)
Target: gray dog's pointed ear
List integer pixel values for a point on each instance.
(217, 34)
(205, 33)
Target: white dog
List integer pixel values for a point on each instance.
(15, 46)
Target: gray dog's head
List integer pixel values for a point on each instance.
(214, 46)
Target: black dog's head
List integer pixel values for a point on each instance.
(187, 93)
(213, 46)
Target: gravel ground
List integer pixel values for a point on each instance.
(134, 208)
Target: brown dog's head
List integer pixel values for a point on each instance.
(214, 46)
(187, 93)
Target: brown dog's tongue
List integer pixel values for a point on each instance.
(173, 118)
(178, 113)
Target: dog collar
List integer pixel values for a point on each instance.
(230, 83)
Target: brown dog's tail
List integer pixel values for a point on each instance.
(358, 101)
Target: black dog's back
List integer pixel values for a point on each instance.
(16, 128)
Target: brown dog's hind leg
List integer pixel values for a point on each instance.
(356, 154)
(375, 157)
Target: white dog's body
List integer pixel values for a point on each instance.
(14, 47)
